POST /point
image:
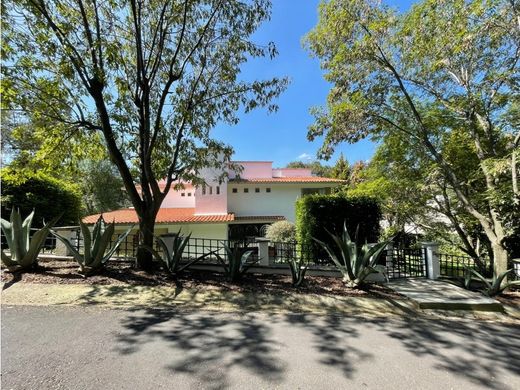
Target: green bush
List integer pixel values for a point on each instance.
(281, 231)
(49, 197)
(315, 213)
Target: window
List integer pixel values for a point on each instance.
(204, 190)
(235, 190)
(217, 188)
(257, 190)
(211, 190)
(189, 193)
(268, 189)
(246, 190)
(183, 194)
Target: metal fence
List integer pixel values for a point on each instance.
(454, 266)
(282, 252)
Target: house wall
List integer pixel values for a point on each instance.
(254, 169)
(280, 201)
(291, 172)
(174, 199)
(201, 230)
(211, 203)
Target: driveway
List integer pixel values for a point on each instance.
(84, 347)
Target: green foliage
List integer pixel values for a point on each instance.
(95, 245)
(353, 260)
(298, 271)
(40, 192)
(316, 167)
(443, 76)
(238, 261)
(315, 213)
(494, 287)
(154, 78)
(281, 231)
(101, 186)
(23, 249)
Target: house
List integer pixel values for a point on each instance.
(241, 206)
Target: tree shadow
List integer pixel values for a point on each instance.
(479, 351)
(205, 345)
(331, 336)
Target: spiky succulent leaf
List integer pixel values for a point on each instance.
(102, 242)
(87, 239)
(116, 245)
(36, 243)
(6, 260)
(26, 232)
(7, 228)
(72, 248)
(17, 252)
(97, 238)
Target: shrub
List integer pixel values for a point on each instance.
(281, 231)
(48, 196)
(315, 213)
(353, 259)
(238, 261)
(172, 257)
(23, 249)
(95, 245)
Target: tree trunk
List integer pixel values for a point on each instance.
(144, 258)
(499, 257)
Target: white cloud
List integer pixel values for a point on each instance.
(305, 157)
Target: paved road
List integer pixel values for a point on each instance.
(99, 348)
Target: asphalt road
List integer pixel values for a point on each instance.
(99, 348)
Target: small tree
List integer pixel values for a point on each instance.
(281, 231)
(152, 77)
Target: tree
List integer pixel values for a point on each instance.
(152, 77)
(316, 167)
(102, 187)
(389, 69)
(341, 170)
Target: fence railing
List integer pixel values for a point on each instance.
(454, 266)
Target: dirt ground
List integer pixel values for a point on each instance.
(124, 273)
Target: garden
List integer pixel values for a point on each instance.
(311, 257)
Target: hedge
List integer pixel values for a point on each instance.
(315, 213)
(49, 197)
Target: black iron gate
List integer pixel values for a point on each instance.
(405, 262)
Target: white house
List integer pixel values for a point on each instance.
(241, 206)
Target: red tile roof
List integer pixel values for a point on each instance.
(295, 179)
(165, 215)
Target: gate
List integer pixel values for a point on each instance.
(405, 262)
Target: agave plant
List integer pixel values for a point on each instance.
(95, 245)
(23, 249)
(172, 258)
(238, 261)
(494, 287)
(297, 271)
(354, 261)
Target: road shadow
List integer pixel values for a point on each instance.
(205, 345)
(479, 351)
(331, 340)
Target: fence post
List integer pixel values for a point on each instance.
(263, 251)
(69, 234)
(433, 267)
(389, 255)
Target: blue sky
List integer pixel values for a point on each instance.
(281, 136)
